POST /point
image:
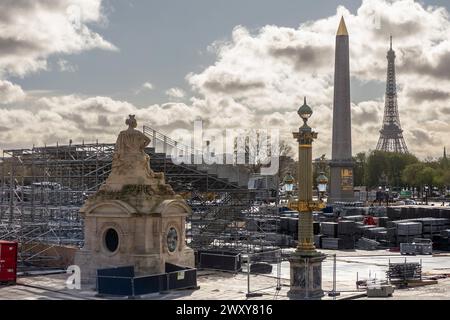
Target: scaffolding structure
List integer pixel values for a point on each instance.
(41, 191)
(43, 188)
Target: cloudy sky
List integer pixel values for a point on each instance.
(74, 69)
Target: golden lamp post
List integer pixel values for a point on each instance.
(306, 261)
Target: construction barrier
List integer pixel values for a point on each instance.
(121, 281)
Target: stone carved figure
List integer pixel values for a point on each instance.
(131, 165)
(129, 154)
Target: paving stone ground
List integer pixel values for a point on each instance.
(229, 286)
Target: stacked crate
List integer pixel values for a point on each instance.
(346, 232)
(329, 229)
(357, 218)
(364, 230)
(444, 213)
(293, 227)
(337, 236)
(394, 213)
(332, 243)
(367, 244)
(407, 231)
(382, 221)
(316, 228)
(318, 240)
(442, 241)
(284, 225)
(433, 226)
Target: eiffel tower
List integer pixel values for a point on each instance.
(391, 135)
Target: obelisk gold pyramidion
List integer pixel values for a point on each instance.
(306, 262)
(342, 30)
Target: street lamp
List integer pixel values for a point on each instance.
(322, 182)
(306, 261)
(387, 196)
(288, 183)
(426, 195)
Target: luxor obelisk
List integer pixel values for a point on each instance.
(341, 180)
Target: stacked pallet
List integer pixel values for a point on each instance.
(329, 229)
(417, 212)
(346, 232)
(406, 231)
(358, 218)
(318, 240)
(445, 233)
(367, 244)
(316, 228)
(377, 211)
(444, 213)
(433, 225)
(336, 236)
(332, 243)
(345, 227)
(293, 226)
(381, 234)
(404, 271)
(409, 228)
(353, 211)
(284, 225)
(382, 221)
(373, 232)
(394, 213)
(365, 230)
(392, 224)
(348, 242)
(406, 212)
(441, 243)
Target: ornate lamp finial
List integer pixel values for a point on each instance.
(305, 111)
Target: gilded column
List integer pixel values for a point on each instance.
(306, 261)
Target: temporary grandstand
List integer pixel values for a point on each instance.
(42, 189)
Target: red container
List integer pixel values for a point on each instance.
(8, 261)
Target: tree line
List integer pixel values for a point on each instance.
(379, 168)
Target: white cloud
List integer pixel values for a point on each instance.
(175, 93)
(10, 93)
(269, 71)
(31, 31)
(65, 66)
(59, 118)
(259, 79)
(148, 86)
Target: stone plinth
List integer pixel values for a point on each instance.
(306, 275)
(341, 182)
(142, 237)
